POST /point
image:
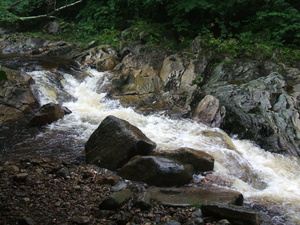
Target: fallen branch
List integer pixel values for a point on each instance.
(35, 17)
(69, 5)
(50, 15)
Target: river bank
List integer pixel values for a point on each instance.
(46, 191)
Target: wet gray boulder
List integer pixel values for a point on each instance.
(49, 113)
(156, 171)
(115, 142)
(234, 214)
(200, 160)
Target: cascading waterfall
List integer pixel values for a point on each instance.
(266, 178)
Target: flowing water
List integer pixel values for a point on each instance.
(263, 178)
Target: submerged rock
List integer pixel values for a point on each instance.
(115, 142)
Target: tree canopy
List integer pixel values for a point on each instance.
(277, 20)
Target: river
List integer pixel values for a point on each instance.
(271, 180)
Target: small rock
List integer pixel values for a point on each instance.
(170, 223)
(223, 222)
(26, 221)
(63, 173)
(110, 180)
(143, 201)
(87, 174)
(36, 161)
(116, 200)
(197, 213)
(195, 221)
(20, 194)
(13, 169)
(20, 177)
(77, 187)
(104, 213)
(123, 218)
(119, 186)
(81, 219)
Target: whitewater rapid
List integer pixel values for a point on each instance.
(277, 177)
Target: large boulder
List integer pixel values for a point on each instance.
(157, 171)
(115, 142)
(200, 160)
(49, 113)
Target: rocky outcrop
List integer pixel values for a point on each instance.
(261, 99)
(49, 113)
(102, 58)
(157, 171)
(258, 104)
(201, 161)
(115, 142)
(16, 98)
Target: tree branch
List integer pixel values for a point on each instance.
(50, 15)
(35, 17)
(69, 5)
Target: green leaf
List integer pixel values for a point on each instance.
(3, 75)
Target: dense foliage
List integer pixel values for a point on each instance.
(277, 21)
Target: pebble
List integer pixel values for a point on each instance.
(20, 194)
(20, 177)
